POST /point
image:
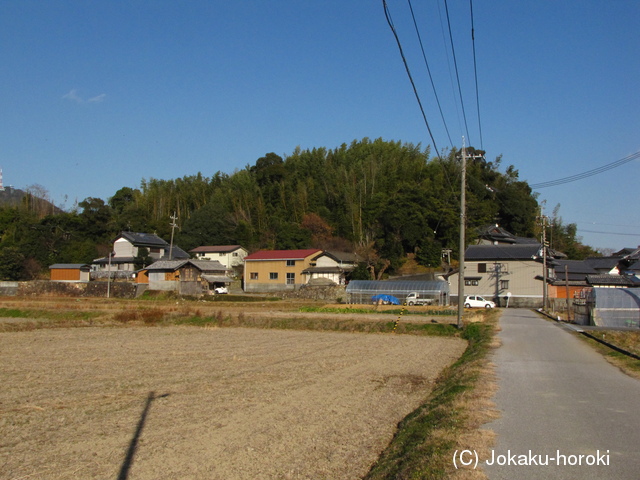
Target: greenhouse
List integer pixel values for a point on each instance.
(615, 307)
(434, 292)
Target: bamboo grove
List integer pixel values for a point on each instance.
(382, 199)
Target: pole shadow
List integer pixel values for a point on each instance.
(133, 445)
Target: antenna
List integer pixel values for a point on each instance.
(1, 184)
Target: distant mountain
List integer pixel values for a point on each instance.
(14, 197)
(11, 196)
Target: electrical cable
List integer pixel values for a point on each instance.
(433, 86)
(406, 66)
(455, 64)
(588, 173)
(475, 72)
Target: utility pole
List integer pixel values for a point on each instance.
(173, 226)
(463, 214)
(542, 221)
(463, 223)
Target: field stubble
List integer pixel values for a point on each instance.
(222, 402)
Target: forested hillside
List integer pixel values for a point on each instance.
(382, 199)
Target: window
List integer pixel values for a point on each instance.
(482, 268)
(273, 276)
(291, 263)
(235, 254)
(254, 275)
(471, 282)
(504, 284)
(291, 278)
(221, 254)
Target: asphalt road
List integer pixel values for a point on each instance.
(559, 399)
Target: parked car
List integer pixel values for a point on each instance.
(476, 301)
(221, 290)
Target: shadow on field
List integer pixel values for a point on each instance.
(128, 459)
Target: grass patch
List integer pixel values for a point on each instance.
(396, 311)
(627, 340)
(426, 439)
(47, 314)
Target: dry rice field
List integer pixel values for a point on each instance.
(184, 402)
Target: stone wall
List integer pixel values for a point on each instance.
(78, 289)
(333, 294)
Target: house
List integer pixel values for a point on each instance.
(129, 245)
(505, 271)
(231, 256)
(496, 235)
(186, 277)
(331, 268)
(277, 270)
(70, 272)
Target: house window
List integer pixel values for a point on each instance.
(471, 282)
(273, 275)
(291, 263)
(254, 275)
(291, 278)
(504, 284)
(235, 254)
(482, 268)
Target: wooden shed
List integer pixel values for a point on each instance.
(70, 272)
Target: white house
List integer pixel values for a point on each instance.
(231, 256)
(127, 246)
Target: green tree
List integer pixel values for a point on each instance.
(11, 264)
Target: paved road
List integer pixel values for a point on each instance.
(557, 394)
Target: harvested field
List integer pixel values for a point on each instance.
(207, 403)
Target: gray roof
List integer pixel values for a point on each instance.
(57, 266)
(613, 280)
(207, 266)
(143, 239)
(503, 252)
(340, 257)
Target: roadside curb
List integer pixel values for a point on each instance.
(593, 337)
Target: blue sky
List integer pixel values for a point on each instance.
(98, 95)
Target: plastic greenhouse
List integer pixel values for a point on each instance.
(615, 307)
(361, 291)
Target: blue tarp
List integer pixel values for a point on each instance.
(388, 299)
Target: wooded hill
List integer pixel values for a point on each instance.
(382, 199)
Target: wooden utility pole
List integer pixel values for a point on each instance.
(542, 221)
(463, 215)
(173, 226)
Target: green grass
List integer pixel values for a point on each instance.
(47, 314)
(424, 443)
(395, 311)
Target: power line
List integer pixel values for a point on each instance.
(406, 66)
(455, 64)
(475, 73)
(589, 173)
(433, 86)
(611, 233)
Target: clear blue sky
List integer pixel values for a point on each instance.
(97, 95)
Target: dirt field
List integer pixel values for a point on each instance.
(197, 403)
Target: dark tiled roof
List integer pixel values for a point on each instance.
(613, 280)
(282, 254)
(56, 266)
(143, 239)
(502, 252)
(340, 257)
